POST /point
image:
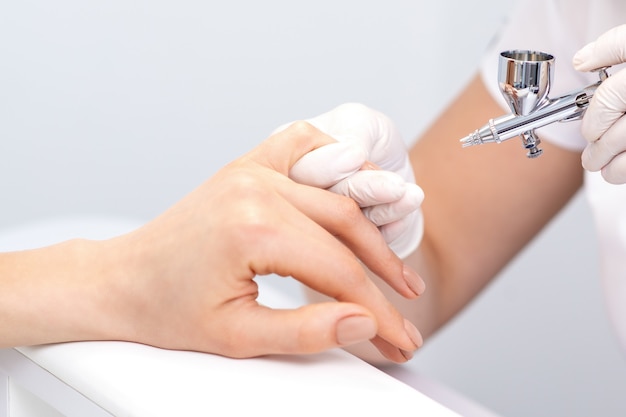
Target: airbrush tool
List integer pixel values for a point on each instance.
(524, 78)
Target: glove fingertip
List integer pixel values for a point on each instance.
(327, 165)
(607, 50)
(582, 57)
(404, 236)
(416, 192)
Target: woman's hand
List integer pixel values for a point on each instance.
(186, 280)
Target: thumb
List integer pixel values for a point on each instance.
(309, 329)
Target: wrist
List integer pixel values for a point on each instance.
(85, 302)
(116, 268)
(55, 294)
(91, 293)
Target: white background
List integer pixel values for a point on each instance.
(122, 107)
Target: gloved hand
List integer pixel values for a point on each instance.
(604, 124)
(386, 191)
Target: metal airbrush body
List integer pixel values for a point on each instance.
(524, 79)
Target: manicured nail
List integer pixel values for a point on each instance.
(407, 355)
(355, 329)
(413, 333)
(413, 280)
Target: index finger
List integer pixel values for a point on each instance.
(307, 252)
(342, 217)
(608, 50)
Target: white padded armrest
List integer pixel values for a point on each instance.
(129, 379)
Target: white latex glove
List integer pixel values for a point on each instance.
(388, 196)
(604, 124)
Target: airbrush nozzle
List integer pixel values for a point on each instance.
(489, 133)
(472, 139)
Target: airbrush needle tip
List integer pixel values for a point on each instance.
(466, 141)
(470, 140)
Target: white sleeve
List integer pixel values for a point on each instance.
(559, 28)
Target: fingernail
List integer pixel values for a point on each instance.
(407, 355)
(355, 329)
(413, 280)
(413, 333)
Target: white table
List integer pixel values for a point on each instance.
(125, 379)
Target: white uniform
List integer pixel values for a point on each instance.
(561, 27)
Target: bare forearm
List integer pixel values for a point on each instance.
(52, 294)
(482, 205)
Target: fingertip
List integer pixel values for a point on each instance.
(416, 192)
(415, 337)
(327, 165)
(607, 50)
(415, 283)
(582, 57)
(413, 333)
(389, 352)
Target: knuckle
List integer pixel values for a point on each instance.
(243, 180)
(301, 128)
(349, 211)
(254, 230)
(353, 280)
(251, 220)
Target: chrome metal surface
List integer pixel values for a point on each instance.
(524, 78)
